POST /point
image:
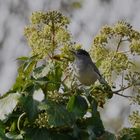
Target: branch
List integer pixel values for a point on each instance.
(122, 89)
(122, 95)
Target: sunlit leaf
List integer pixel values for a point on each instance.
(41, 80)
(71, 103)
(14, 136)
(24, 73)
(39, 71)
(54, 77)
(7, 105)
(38, 95)
(23, 58)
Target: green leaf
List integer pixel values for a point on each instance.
(108, 136)
(80, 134)
(45, 134)
(95, 125)
(23, 58)
(39, 70)
(94, 104)
(20, 80)
(29, 104)
(7, 104)
(54, 77)
(71, 103)
(24, 73)
(42, 70)
(78, 105)
(28, 67)
(14, 136)
(57, 114)
(38, 95)
(36, 134)
(2, 131)
(41, 80)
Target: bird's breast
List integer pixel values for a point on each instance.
(85, 73)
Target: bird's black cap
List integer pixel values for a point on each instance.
(82, 52)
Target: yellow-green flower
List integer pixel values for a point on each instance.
(135, 46)
(122, 29)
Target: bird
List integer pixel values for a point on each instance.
(85, 69)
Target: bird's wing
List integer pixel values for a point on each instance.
(96, 69)
(101, 79)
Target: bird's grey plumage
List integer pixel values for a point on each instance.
(85, 70)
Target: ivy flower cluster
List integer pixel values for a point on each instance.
(47, 32)
(42, 120)
(57, 97)
(135, 119)
(111, 59)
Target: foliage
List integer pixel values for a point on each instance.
(47, 101)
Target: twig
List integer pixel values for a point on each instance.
(122, 89)
(126, 40)
(122, 95)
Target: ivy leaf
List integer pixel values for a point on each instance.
(95, 125)
(14, 136)
(7, 105)
(54, 77)
(78, 105)
(40, 71)
(45, 134)
(2, 131)
(71, 103)
(28, 66)
(24, 73)
(108, 136)
(23, 58)
(41, 80)
(80, 134)
(30, 105)
(57, 114)
(36, 134)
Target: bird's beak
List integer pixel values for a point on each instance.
(73, 52)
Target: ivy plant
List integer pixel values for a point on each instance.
(46, 100)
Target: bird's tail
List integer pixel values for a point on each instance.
(103, 81)
(108, 88)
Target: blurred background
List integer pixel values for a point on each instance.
(87, 17)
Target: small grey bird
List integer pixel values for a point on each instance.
(85, 69)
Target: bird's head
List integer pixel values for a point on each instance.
(80, 53)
